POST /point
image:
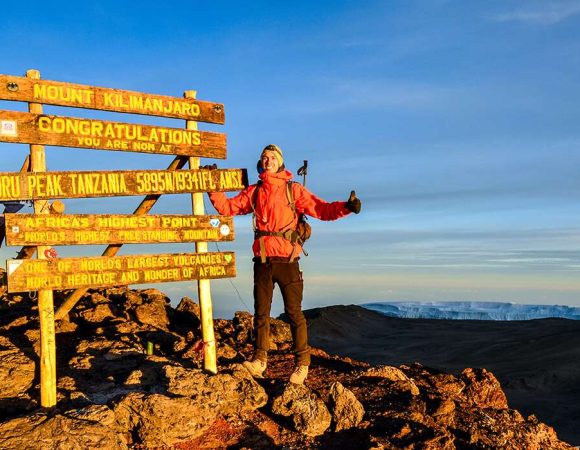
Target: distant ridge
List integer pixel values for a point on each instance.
(472, 310)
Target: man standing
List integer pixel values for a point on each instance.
(276, 203)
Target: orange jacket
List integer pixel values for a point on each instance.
(273, 212)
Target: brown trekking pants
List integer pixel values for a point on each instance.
(289, 278)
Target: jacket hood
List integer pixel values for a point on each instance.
(281, 177)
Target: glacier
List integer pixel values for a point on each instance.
(470, 310)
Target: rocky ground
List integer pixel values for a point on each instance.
(112, 395)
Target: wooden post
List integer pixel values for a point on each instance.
(203, 286)
(45, 297)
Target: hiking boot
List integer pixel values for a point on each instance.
(299, 375)
(255, 367)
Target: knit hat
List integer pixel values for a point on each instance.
(277, 151)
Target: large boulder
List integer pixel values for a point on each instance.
(153, 312)
(232, 390)
(347, 411)
(280, 332)
(307, 411)
(387, 372)
(243, 323)
(16, 370)
(155, 420)
(189, 311)
(129, 299)
(401, 381)
(483, 389)
(444, 384)
(97, 314)
(92, 428)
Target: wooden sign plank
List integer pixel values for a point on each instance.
(27, 128)
(34, 229)
(71, 273)
(91, 97)
(51, 185)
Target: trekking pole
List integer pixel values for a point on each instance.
(302, 225)
(303, 171)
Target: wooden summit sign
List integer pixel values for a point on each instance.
(26, 128)
(72, 273)
(39, 231)
(51, 185)
(34, 229)
(106, 99)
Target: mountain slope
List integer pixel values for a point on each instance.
(537, 362)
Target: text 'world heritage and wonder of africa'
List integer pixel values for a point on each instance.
(72, 273)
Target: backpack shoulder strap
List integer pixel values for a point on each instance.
(253, 201)
(290, 195)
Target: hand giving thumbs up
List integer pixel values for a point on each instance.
(353, 204)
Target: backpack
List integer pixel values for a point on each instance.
(303, 229)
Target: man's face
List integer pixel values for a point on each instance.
(270, 162)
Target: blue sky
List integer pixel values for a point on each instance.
(456, 122)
